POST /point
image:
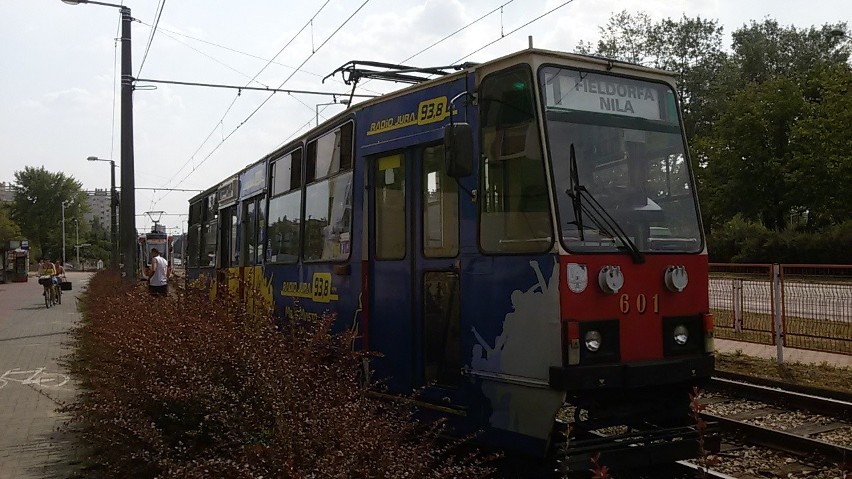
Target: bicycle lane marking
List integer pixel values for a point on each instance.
(36, 377)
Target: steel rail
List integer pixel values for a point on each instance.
(778, 395)
(783, 441)
(773, 383)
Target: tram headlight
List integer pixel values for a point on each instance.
(681, 335)
(592, 340)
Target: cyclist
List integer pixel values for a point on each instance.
(47, 272)
(59, 278)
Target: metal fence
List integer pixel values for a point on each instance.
(801, 306)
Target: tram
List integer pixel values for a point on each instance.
(156, 238)
(513, 237)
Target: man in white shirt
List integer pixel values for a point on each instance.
(158, 282)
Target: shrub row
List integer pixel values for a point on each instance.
(188, 387)
(742, 241)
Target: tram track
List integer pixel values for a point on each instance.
(751, 419)
(806, 430)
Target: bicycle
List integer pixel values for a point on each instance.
(49, 290)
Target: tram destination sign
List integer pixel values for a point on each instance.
(613, 95)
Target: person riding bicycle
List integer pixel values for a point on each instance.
(60, 269)
(60, 275)
(47, 270)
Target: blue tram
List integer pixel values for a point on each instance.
(512, 237)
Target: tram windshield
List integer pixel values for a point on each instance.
(628, 159)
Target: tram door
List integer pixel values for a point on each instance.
(414, 282)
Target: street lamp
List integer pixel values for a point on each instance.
(78, 246)
(113, 202)
(77, 241)
(335, 102)
(64, 204)
(127, 215)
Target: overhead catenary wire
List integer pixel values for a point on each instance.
(215, 60)
(267, 89)
(515, 30)
(500, 8)
(318, 48)
(234, 50)
(231, 105)
(502, 35)
(160, 6)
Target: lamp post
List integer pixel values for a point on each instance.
(77, 240)
(64, 204)
(113, 220)
(78, 246)
(127, 215)
(335, 102)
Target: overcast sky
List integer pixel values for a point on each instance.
(59, 100)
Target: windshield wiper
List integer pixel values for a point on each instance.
(574, 191)
(599, 215)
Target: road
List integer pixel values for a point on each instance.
(32, 384)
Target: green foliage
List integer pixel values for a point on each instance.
(98, 236)
(767, 50)
(751, 155)
(743, 241)
(37, 207)
(9, 230)
(821, 146)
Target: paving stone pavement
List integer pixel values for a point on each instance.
(791, 355)
(32, 384)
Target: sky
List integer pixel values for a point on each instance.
(60, 101)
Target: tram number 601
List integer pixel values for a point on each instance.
(641, 303)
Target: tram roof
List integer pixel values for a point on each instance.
(533, 56)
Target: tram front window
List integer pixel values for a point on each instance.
(630, 159)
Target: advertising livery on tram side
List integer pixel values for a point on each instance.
(513, 237)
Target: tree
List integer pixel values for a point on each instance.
(821, 146)
(99, 239)
(766, 50)
(9, 230)
(750, 153)
(37, 207)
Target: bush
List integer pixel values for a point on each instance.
(185, 387)
(743, 241)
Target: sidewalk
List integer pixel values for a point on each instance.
(32, 385)
(791, 355)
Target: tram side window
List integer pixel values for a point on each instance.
(192, 249)
(440, 207)
(209, 256)
(285, 209)
(515, 208)
(196, 210)
(253, 220)
(210, 231)
(328, 196)
(390, 207)
(228, 236)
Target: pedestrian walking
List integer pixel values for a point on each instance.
(158, 280)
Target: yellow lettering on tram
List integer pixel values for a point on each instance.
(319, 289)
(428, 111)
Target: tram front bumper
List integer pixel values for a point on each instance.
(692, 370)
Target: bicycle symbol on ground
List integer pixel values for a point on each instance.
(33, 376)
